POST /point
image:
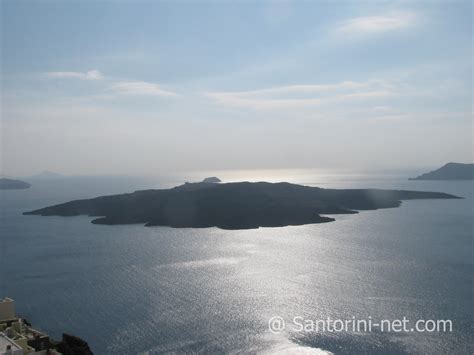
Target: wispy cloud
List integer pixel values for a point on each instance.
(113, 85)
(381, 108)
(140, 88)
(294, 96)
(89, 75)
(369, 25)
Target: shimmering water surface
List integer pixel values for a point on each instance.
(131, 289)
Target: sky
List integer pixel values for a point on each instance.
(151, 87)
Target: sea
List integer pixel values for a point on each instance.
(148, 290)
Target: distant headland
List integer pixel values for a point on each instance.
(241, 205)
(11, 184)
(450, 171)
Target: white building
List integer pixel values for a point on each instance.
(17, 337)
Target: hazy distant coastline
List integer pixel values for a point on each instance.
(12, 184)
(450, 171)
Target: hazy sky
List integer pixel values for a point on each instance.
(158, 86)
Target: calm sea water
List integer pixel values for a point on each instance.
(131, 289)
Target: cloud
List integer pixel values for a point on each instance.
(381, 108)
(300, 96)
(140, 88)
(306, 88)
(369, 25)
(117, 87)
(89, 75)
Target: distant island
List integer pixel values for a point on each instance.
(241, 205)
(450, 171)
(11, 184)
(47, 175)
(212, 180)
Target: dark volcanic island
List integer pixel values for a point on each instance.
(241, 205)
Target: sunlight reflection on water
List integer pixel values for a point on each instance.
(130, 289)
